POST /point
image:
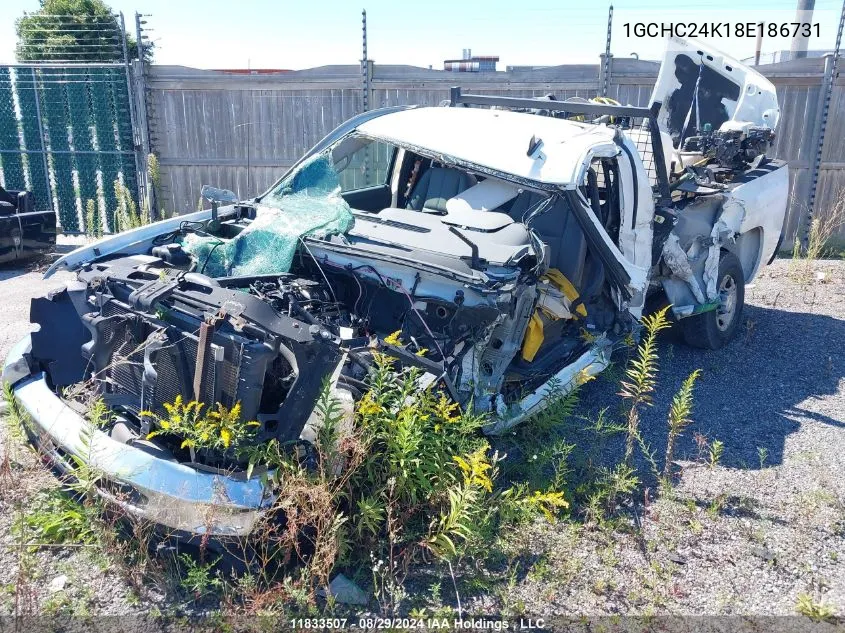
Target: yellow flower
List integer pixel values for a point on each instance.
(476, 468)
(367, 406)
(447, 410)
(393, 339)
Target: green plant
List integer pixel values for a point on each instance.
(154, 169)
(714, 452)
(56, 517)
(408, 478)
(126, 215)
(518, 505)
(198, 578)
(610, 485)
(816, 611)
(641, 376)
(216, 429)
(762, 455)
(16, 416)
(823, 227)
(679, 418)
(93, 224)
(99, 414)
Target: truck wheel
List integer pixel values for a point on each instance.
(714, 329)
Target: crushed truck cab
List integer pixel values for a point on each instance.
(503, 247)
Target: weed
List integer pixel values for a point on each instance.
(409, 478)
(641, 376)
(613, 483)
(542, 570)
(714, 453)
(717, 505)
(762, 455)
(99, 415)
(702, 443)
(126, 216)
(198, 578)
(823, 227)
(154, 169)
(17, 417)
(93, 223)
(816, 611)
(56, 518)
(679, 418)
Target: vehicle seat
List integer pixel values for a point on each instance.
(436, 186)
(559, 231)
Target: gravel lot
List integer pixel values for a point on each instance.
(744, 537)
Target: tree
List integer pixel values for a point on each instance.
(74, 30)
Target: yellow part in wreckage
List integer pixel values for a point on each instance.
(534, 334)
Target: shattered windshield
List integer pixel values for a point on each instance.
(308, 202)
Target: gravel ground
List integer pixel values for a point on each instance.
(746, 536)
(763, 526)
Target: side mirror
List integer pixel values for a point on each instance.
(216, 196)
(213, 194)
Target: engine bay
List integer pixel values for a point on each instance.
(153, 328)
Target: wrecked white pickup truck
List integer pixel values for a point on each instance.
(511, 243)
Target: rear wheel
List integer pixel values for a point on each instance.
(714, 329)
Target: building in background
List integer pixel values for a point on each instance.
(776, 57)
(471, 64)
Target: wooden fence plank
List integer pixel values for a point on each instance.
(214, 128)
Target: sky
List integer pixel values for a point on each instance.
(302, 34)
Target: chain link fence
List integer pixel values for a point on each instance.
(66, 119)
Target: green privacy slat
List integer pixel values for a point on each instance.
(81, 123)
(54, 112)
(87, 166)
(63, 176)
(27, 95)
(12, 164)
(80, 112)
(102, 110)
(120, 94)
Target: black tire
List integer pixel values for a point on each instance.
(714, 329)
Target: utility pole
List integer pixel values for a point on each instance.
(365, 62)
(803, 13)
(606, 65)
(136, 135)
(140, 96)
(830, 73)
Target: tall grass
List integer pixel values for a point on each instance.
(822, 232)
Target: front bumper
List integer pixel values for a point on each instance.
(172, 495)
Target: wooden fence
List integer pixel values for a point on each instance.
(241, 132)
